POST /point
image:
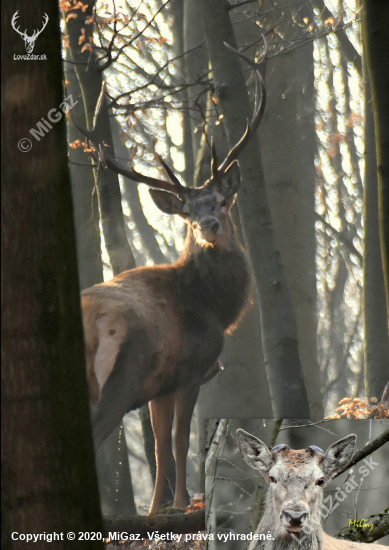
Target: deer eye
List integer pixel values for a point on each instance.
(320, 481)
(272, 479)
(223, 203)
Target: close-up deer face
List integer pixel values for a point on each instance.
(206, 208)
(296, 482)
(296, 478)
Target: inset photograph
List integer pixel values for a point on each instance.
(287, 484)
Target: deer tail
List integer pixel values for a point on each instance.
(133, 363)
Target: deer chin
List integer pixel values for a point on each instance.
(293, 530)
(208, 238)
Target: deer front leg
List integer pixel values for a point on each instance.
(161, 414)
(185, 401)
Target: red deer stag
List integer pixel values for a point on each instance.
(154, 334)
(295, 498)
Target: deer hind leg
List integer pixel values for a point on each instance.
(185, 401)
(161, 413)
(132, 366)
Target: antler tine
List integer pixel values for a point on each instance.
(213, 158)
(256, 65)
(180, 189)
(106, 160)
(132, 174)
(259, 67)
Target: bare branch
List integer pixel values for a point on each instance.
(378, 528)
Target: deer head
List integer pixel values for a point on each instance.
(296, 478)
(205, 209)
(29, 41)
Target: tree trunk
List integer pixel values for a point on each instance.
(288, 146)
(279, 334)
(116, 492)
(107, 183)
(48, 476)
(376, 344)
(85, 204)
(196, 64)
(376, 40)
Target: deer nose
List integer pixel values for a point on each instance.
(210, 224)
(294, 519)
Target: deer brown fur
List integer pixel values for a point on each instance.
(154, 334)
(294, 500)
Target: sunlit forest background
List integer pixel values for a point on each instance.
(163, 95)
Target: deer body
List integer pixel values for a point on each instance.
(154, 334)
(183, 311)
(295, 498)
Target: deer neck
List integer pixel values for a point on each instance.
(312, 539)
(217, 277)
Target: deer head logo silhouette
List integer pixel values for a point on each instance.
(29, 41)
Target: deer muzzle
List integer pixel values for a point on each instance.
(294, 520)
(209, 228)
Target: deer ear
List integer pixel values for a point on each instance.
(231, 180)
(167, 202)
(338, 456)
(254, 452)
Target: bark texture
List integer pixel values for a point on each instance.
(378, 528)
(48, 477)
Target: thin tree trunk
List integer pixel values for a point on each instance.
(376, 40)
(48, 476)
(111, 460)
(376, 344)
(107, 183)
(85, 204)
(131, 194)
(279, 334)
(196, 63)
(290, 183)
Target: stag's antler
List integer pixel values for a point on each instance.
(176, 187)
(252, 125)
(107, 160)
